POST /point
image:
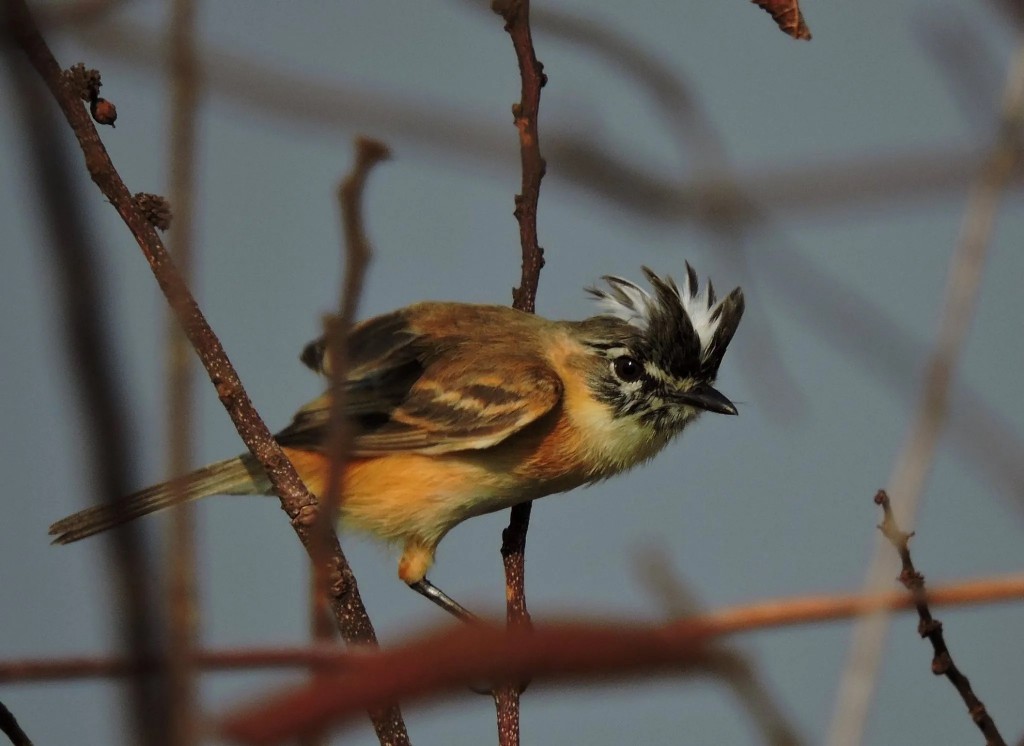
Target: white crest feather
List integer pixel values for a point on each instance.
(634, 305)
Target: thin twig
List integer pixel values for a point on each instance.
(516, 14)
(10, 728)
(445, 661)
(91, 361)
(931, 628)
(183, 605)
(357, 253)
(914, 461)
(296, 500)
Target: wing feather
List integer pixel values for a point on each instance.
(410, 392)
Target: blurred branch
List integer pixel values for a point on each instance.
(516, 14)
(10, 728)
(90, 360)
(736, 620)
(445, 661)
(1013, 10)
(74, 12)
(357, 254)
(915, 458)
(182, 606)
(882, 346)
(654, 570)
(579, 161)
(965, 60)
(296, 500)
(942, 663)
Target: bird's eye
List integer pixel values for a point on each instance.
(627, 369)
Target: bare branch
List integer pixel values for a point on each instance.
(357, 254)
(915, 458)
(942, 663)
(10, 728)
(445, 661)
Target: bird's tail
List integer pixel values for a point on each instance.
(235, 476)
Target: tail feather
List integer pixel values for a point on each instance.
(235, 476)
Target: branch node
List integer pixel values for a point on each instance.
(978, 713)
(912, 580)
(225, 391)
(306, 516)
(156, 209)
(85, 82)
(929, 627)
(941, 664)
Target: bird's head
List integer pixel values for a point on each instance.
(659, 352)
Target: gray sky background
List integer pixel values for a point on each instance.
(774, 502)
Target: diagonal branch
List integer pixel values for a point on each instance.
(10, 728)
(296, 500)
(914, 461)
(942, 663)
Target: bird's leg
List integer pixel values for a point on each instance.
(412, 568)
(417, 557)
(427, 589)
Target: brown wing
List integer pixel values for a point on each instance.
(409, 391)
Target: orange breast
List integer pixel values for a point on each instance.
(401, 496)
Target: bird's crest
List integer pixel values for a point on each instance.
(691, 322)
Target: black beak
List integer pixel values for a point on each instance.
(703, 396)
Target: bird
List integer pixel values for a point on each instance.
(457, 409)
